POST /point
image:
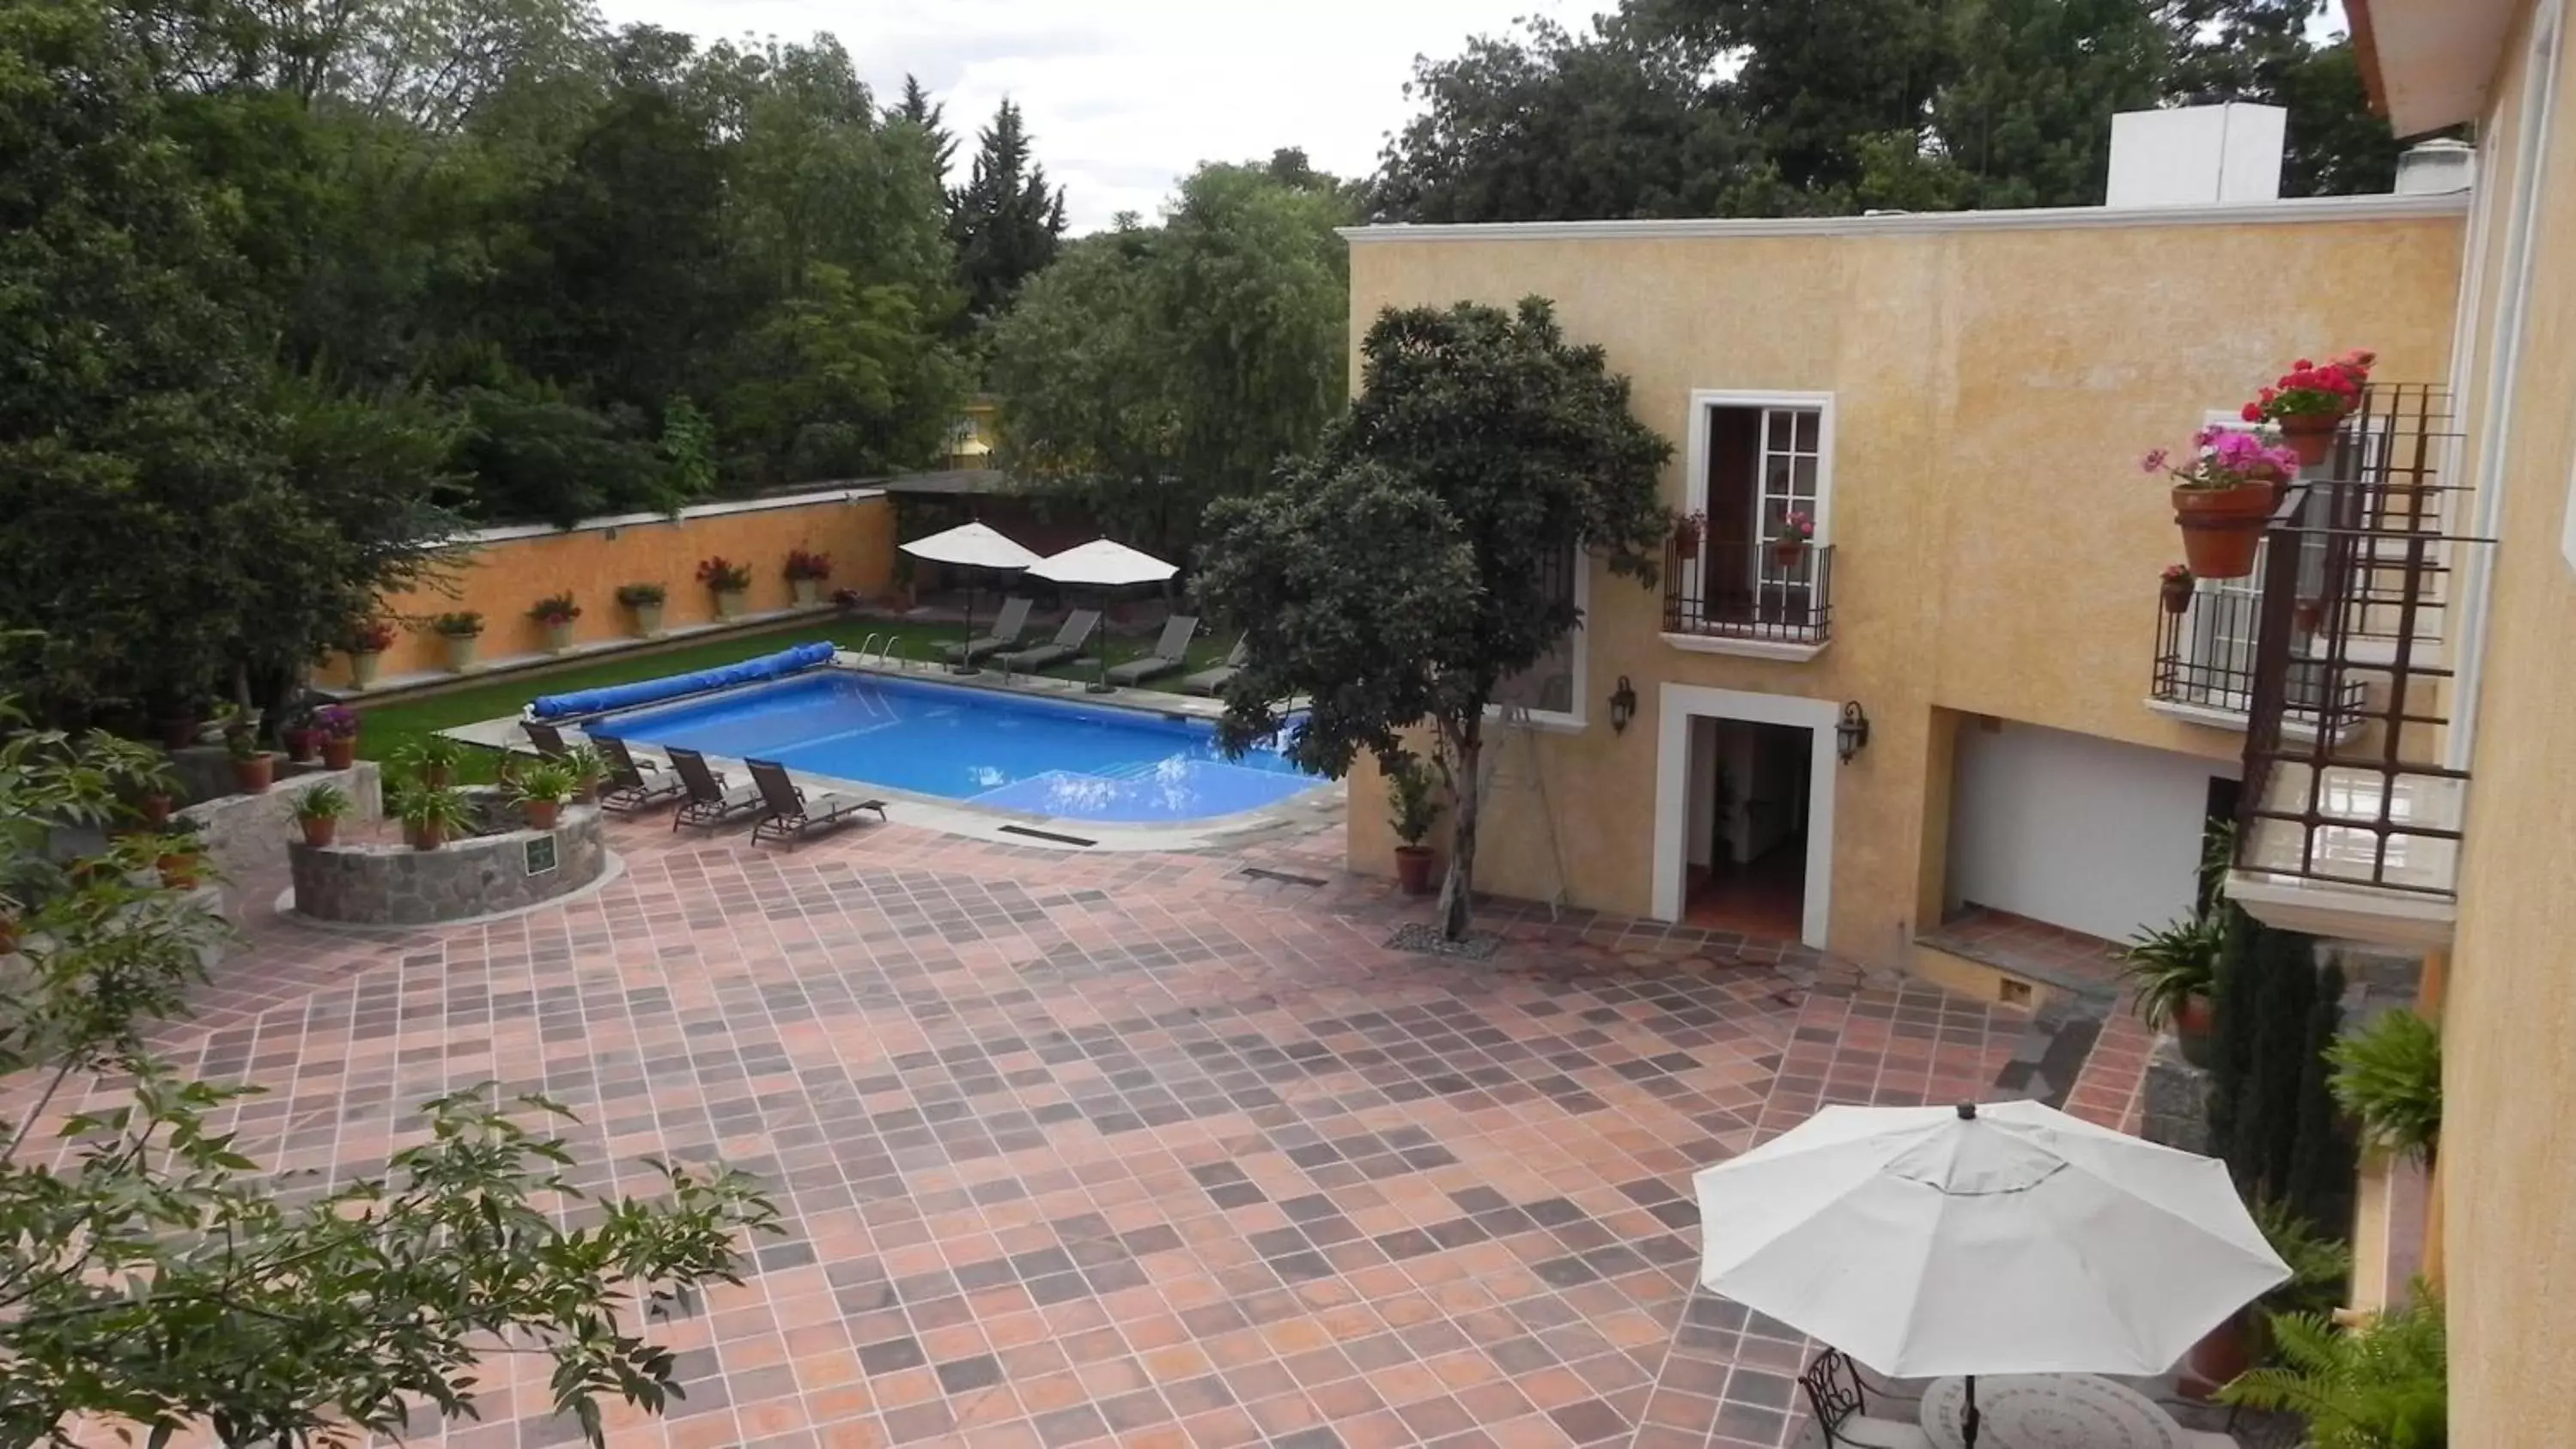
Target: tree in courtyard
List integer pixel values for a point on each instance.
(931, 117)
(1006, 220)
(1399, 576)
(151, 1273)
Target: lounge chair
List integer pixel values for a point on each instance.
(1214, 681)
(790, 814)
(547, 738)
(709, 804)
(628, 791)
(1067, 644)
(1007, 629)
(1170, 653)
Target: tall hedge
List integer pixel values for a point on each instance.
(2271, 1115)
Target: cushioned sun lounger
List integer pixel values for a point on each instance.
(1169, 653)
(1068, 642)
(791, 814)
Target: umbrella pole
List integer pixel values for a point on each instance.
(966, 650)
(1968, 1421)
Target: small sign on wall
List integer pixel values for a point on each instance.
(541, 854)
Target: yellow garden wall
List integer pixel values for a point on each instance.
(505, 570)
(1997, 549)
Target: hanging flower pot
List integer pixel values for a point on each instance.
(1786, 553)
(1686, 532)
(2221, 527)
(2310, 435)
(2175, 589)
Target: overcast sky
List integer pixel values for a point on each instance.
(1125, 96)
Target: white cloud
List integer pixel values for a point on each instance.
(1126, 96)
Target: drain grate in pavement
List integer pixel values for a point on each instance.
(1045, 835)
(1425, 939)
(1258, 873)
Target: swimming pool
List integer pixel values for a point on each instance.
(1045, 757)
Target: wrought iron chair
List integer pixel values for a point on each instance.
(1841, 1405)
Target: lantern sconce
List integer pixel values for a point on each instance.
(1852, 733)
(1623, 705)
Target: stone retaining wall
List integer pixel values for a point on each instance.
(246, 835)
(395, 885)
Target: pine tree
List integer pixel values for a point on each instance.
(2234, 1006)
(2318, 1179)
(931, 116)
(1007, 222)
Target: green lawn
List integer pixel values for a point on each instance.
(390, 726)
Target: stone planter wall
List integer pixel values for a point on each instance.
(395, 885)
(246, 835)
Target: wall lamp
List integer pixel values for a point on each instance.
(1623, 705)
(1852, 733)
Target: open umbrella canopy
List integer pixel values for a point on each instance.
(971, 545)
(1103, 564)
(2004, 1239)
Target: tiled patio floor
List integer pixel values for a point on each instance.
(1144, 1150)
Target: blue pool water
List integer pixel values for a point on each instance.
(1082, 762)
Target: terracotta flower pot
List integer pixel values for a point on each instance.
(256, 774)
(648, 620)
(2196, 1028)
(2308, 614)
(179, 733)
(2223, 1353)
(362, 668)
(300, 745)
(558, 636)
(2310, 435)
(155, 810)
(542, 814)
(179, 872)
(8, 934)
(2176, 594)
(808, 592)
(1786, 555)
(1413, 869)
(339, 752)
(2221, 527)
(729, 603)
(425, 837)
(1686, 544)
(319, 833)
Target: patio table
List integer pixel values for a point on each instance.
(2049, 1411)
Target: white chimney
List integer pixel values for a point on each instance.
(2434, 167)
(2197, 155)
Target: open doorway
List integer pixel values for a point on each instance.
(1748, 831)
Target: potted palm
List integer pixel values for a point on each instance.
(727, 581)
(1797, 530)
(432, 813)
(462, 629)
(2222, 498)
(432, 759)
(644, 601)
(368, 642)
(318, 810)
(588, 767)
(2308, 403)
(555, 614)
(805, 575)
(1413, 807)
(254, 769)
(2174, 587)
(542, 790)
(336, 729)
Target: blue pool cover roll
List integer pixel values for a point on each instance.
(646, 691)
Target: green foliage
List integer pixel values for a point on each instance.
(151, 1271)
(547, 782)
(2388, 1075)
(2383, 1384)
(1006, 220)
(322, 802)
(428, 753)
(639, 595)
(2271, 1115)
(1154, 370)
(423, 807)
(2320, 1265)
(555, 609)
(1412, 797)
(1400, 575)
(457, 624)
(585, 764)
(2168, 966)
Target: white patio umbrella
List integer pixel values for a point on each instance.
(2004, 1239)
(971, 546)
(1104, 565)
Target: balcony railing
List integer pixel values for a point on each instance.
(2204, 663)
(2358, 576)
(1743, 589)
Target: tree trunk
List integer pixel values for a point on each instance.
(1457, 892)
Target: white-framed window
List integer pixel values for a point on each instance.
(1760, 455)
(1552, 690)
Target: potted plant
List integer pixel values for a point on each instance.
(727, 581)
(2388, 1075)
(1790, 543)
(542, 790)
(2222, 499)
(1687, 528)
(336, 728)
(644, 601)
(554, 614)
(180, 857)
(299, 737)
(368, 642)
(254, 769)
(432, 760)
(805, 575)
(431, 813)
(462, 629)
(318, 809)
(2174, 587)
(2320, 1273)
(150, 786)
(2172, 971)
(1413, 807)
(588, 768)
(2309, 402)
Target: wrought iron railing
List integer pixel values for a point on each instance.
(2205, 658)
(1743, 589)
(2356, 586)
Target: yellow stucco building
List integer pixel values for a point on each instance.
(2384, 709)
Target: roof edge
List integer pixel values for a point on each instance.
(2317, 209)
(2365, 53)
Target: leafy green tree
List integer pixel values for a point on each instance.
(1396, 579)
(151, 1273)
(2027, 114)
(1006, 220)
(2263, 51)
